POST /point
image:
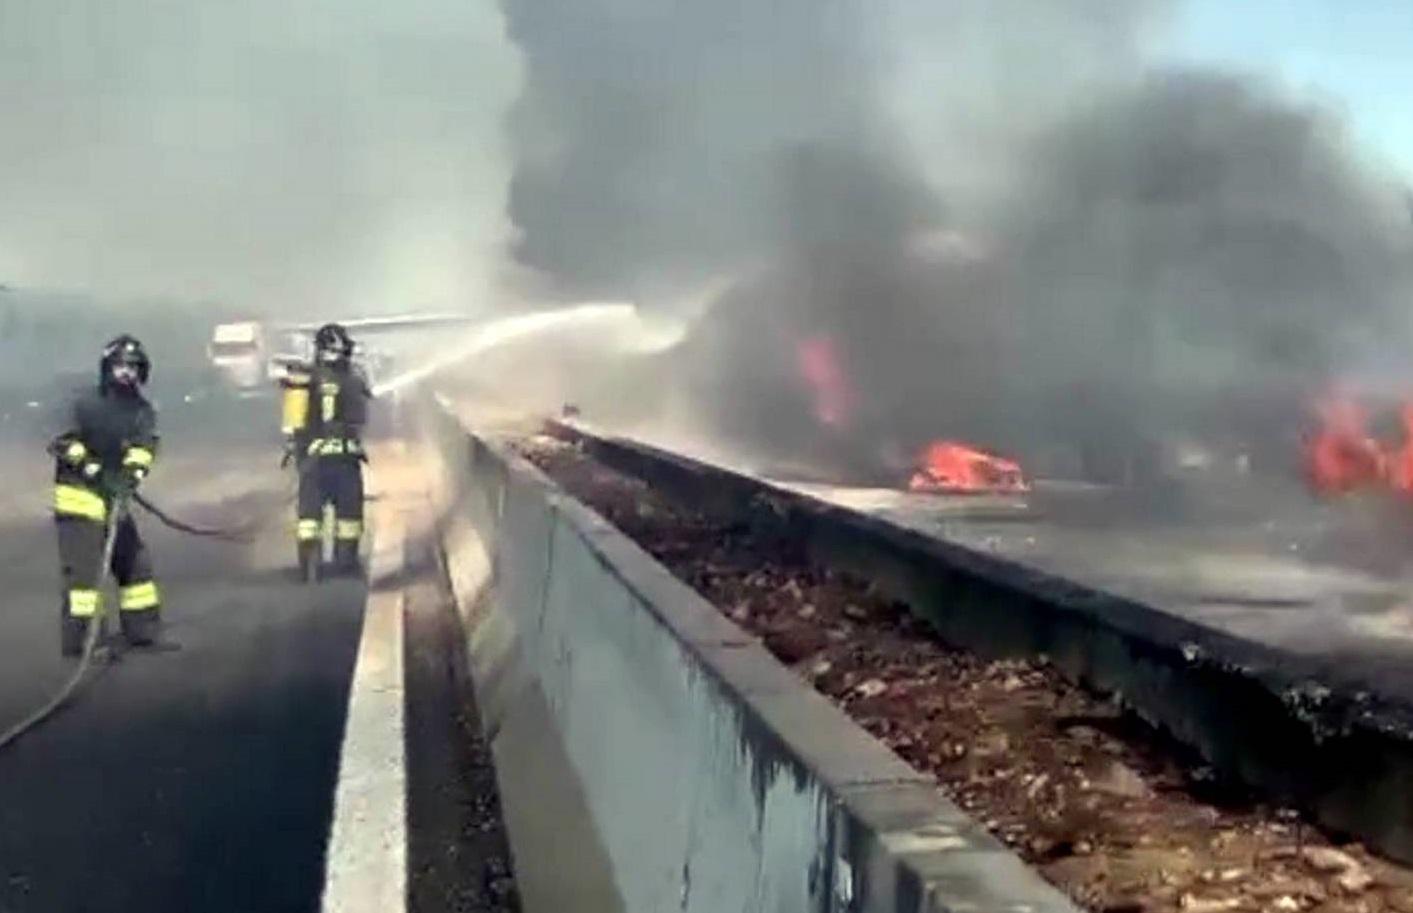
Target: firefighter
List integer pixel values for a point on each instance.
(106, 453)
(324, 410)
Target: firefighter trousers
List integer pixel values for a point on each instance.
(336, 480)
(81, 544)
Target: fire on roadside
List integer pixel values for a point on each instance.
(943, 467)
(951, 467)
(819, 363)
(1344, 456)
(1400, 461)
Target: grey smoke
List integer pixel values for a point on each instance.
(319, 155)
(661, 141)
(658, 143)
(1161, 254)
(1199, 243)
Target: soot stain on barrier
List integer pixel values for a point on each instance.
(767, 758)
(766, 753)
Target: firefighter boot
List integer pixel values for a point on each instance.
(309, 557)
(143, 631)
(71, 633)
(140, 629)
(81, 607)
(346, 558)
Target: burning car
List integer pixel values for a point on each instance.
(950, 467)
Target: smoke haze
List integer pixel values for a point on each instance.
(661, 142)
(992, 219)
(1000, 219)
(319, 154)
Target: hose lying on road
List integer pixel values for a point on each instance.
(229, 534)
(95, 622)
(90, 642)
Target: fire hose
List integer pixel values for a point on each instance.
(121, 508)
(227, 534)
(90, 639)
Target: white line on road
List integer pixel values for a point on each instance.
(366, 868)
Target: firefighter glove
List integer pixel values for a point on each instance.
(69, 449)
(123, 484)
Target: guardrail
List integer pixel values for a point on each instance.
(713, 778)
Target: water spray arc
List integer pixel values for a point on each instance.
(506, 330)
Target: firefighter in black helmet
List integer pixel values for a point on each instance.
(325, 409)
(107, 450)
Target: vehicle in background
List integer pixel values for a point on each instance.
(237, 352)
(293, 348)
(252, 358)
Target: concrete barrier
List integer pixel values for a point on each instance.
(1273, 720)
(701, 773)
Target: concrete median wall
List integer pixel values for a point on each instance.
(705, 777)
(1267, 718)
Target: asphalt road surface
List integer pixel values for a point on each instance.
(202, 779)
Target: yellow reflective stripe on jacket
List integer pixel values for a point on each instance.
(138, 597)
(335, 446)
(84, 603)
(75, 452)
(306, 530)
(328, 400)
(74, 501)
(348, 529)
(141, 457)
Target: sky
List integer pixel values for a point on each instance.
(350, 154)
(303, 157)
(1352, 55)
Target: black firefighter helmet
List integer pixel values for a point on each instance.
(332, 343)
(125, 350)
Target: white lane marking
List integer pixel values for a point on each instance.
(366, 868)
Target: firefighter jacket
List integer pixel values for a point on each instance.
(110, 445)
(324, 410)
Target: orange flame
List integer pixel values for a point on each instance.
(1342, 456)
(955, 468)
(1400, 460)
(819, 363)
